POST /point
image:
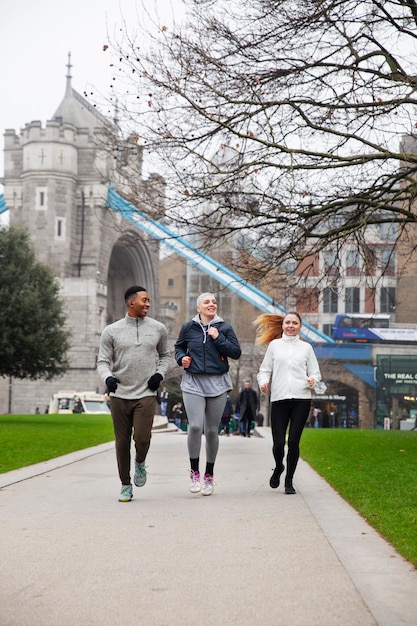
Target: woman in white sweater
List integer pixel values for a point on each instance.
(288, 372)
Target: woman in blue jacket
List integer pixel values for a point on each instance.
(202, 349)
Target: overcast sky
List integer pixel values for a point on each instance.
(35, 38)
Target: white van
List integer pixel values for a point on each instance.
(71, 401)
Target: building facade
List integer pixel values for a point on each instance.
(56, 179)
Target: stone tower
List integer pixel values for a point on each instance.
(55, 182)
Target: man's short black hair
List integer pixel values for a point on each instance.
(132, 291)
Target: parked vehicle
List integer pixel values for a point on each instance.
(71, 401)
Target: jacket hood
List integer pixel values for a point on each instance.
(216, 319)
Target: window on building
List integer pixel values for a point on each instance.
(330, 300)
(328, 329)
(387, 300)
(41, 198)
(331, 263)
(388, 231)
(60, 228)
(388, 261)
(352, 300)
(170, 282)
(352, 263)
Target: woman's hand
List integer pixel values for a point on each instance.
(186, 361)
(213, 332)
(311, 382)
(265, 388)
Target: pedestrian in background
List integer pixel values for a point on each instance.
(163, 399)
(203, 348)
(227, 414)
(132, 361)
(248, 406)
(288, 371)
(178, 414)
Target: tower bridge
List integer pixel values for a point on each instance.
(60, 182)
(354, 364)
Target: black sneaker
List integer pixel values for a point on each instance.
(274, 480)
(289, 490)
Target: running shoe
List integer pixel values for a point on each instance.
(140, 474)
(289, 489)
(195, 486)
(208, 485)
(126, 493)
(274, 480)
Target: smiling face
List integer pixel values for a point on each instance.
(291, 325)
(139, 304)
(207, 307)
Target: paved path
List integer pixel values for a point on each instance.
(71, 554)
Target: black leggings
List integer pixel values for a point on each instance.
(295, 413)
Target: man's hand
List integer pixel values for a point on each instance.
(111, 384)
(154, 381)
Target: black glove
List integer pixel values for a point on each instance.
(111, 384)
(153, 382)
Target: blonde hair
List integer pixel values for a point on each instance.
(204, 295)
(268, 327)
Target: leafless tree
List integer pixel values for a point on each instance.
(287, 125)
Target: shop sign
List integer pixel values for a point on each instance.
(399, 377)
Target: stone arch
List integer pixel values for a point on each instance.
(130, 263)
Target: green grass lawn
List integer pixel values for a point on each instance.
(28, 439)
(376, 472)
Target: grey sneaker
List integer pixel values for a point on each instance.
(140, 474)
(126, 493)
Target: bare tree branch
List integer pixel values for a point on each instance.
(287, 126)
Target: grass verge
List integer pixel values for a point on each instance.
(376, 472)
(28, 439)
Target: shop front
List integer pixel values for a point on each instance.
(337, 408)
(396, 392)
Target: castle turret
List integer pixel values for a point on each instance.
(56, 180)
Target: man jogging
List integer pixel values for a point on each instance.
(132, 361)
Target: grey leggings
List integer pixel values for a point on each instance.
(204, 414)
